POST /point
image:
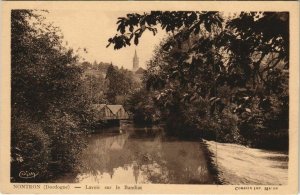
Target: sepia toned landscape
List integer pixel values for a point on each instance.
(157, 97)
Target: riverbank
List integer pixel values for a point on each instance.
(236, 164)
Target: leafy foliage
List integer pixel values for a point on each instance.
(49, 107)
(142, 107)
(216, 74)
(120, 84)
(29, 144)
(170, 21)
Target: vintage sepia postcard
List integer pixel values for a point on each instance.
(147, 97)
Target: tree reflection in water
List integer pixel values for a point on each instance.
(142, 155)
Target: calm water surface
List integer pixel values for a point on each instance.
(132, 155)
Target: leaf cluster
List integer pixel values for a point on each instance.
(134, 25)
(236, 65)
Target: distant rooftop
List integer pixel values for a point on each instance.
(114, 108)
(140, 71)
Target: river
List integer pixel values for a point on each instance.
(135, 155)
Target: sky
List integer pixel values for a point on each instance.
(91, 29)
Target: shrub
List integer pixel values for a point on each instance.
(222, 127)
(30, 151)
(67, 141)
(142, 107)
(266, 126)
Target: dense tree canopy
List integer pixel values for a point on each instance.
(119, 84)
(47, 100)
(216, 72)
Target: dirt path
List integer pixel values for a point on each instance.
(238, 164)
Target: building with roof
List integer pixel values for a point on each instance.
(109, 112)
(118, 111)
(140, 71)
(102, 112)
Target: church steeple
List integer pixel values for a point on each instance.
(135, 55)
(135, 62)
